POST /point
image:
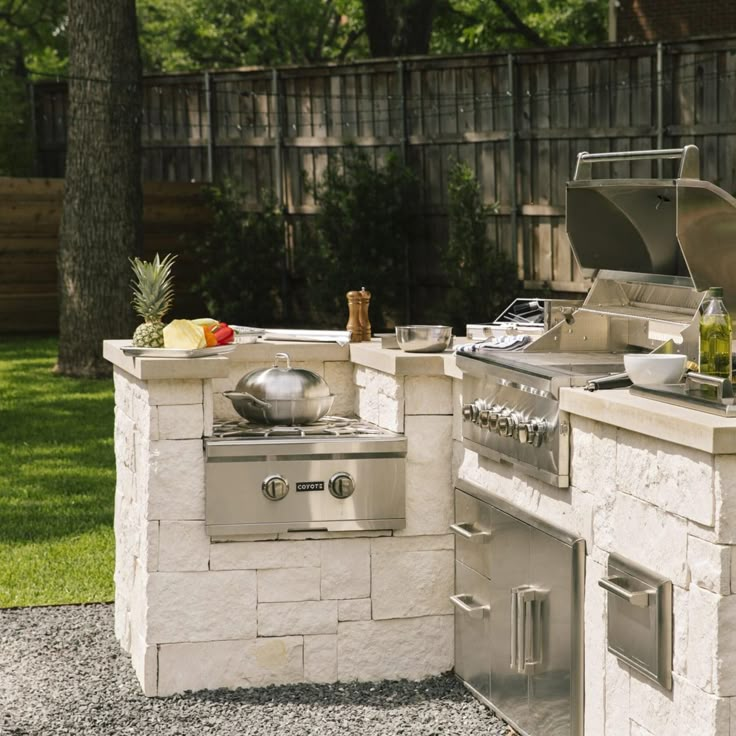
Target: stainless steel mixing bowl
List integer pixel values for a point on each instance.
(424, 338)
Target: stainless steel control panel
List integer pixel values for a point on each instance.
(506, 420)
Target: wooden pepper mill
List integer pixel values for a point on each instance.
(356, 332)
(365, 323)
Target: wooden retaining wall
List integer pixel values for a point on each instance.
(30, 213)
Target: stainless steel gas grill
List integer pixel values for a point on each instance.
(337, 474)
(652, 246)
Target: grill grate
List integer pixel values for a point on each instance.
(328, 426)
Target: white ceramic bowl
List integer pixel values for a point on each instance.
(647, 369)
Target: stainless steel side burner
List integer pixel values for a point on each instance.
(338, 474)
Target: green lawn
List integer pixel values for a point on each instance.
(57, 484)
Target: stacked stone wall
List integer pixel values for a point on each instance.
(278, 608)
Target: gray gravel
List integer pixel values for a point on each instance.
(62, 672)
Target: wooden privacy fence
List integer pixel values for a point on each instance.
(30, 213)
(518, 120)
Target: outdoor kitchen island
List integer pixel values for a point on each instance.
(652, 483)
(195, 612)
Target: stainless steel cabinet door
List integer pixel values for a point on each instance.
(510, 552)
(550, 689)
(472, 629)
(536, 629)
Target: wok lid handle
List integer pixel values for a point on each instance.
(281, 357)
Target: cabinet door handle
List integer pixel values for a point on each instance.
(465, 531)
(638, 598)
(464, 602)
(527, 625)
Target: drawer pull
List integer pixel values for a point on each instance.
(464, 603)
(465, 531)
(638, 598)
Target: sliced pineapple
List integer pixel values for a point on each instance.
(184, 334)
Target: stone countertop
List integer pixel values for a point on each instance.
(695, 429)
(398, 363)
(217, 366)
(366, 354)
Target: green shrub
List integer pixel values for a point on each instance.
(16, 145)
(482, 278)
(362, 236)
(242, 260)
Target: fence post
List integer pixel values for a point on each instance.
(278, 130)
(660, 104)
(210, 127)
(403, 142)
(402, 111)
(34, 130)
(512, 165)
(278, 173)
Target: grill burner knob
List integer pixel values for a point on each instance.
(538, 432)
(524, 432)
(507, 425)
(275, 487)
(483, 417)
(342, 485)
(493, 421)
(468, 412)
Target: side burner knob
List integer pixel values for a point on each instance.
(342, 485)
(275, 487)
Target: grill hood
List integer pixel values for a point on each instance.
(652, 246)
(679, 231)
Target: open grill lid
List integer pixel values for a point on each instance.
(678, 231)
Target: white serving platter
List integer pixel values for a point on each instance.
(135, 352)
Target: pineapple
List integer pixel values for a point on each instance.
(153, 293)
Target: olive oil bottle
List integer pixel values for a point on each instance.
(715, 335)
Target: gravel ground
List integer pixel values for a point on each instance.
(62, 672)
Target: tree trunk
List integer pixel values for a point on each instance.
(399, 27)
(103, 202)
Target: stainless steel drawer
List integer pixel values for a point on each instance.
(640, 618)
(472, 629)
(472, 529)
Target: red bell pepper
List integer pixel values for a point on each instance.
(223, 333)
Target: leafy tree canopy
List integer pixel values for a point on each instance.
(182, 35)
(487, 25)
(179, 35)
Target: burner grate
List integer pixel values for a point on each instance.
(326, 427)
